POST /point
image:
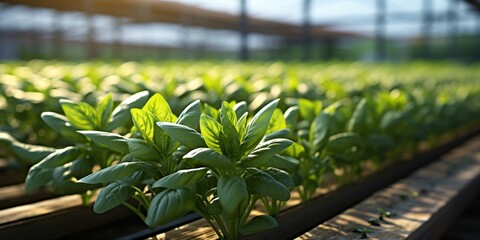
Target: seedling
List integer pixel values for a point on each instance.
(363, 231)
(374, 222)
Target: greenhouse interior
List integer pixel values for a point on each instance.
(240, 119)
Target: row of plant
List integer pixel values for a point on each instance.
(219, 161)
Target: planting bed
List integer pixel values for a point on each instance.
(264, 140)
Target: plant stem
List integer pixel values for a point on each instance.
(135, 210)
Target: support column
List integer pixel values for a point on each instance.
(307, 31)
(380, 51)
(117, 39)
(244, 54)
(57, 35)
(427, 28)
(91, 49)
(453, 32)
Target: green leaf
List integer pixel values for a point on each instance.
(190, 116)
(28, 153)
(281, 176)
(81, 115)
(104, 111)
(64, 183)
(169, 205)
(233, 195)
(277, 122)
(144, 122)
(319, 129)
(111, 141)
(291, 117)
(263, 183)
(258, 224)
(181, 179)
(382, 141)
(183, 134)
(121, 115)
(391, 119)
(240, 109)
(159, 108)
(61, 125)
(140, 150)
(210, 130)
(264, 151)
(309, 109)
(208, 157)
(37, 178)
(60, 157)
(343, 141)
(281, 162)
(112, 173)
(112, 195)
(257, 127)
(295, 150)
(359, 117)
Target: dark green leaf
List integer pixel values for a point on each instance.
(60, 157)
(190, 116)
(183, 134)
(181, 179)
(257, 127)
(112, 195)
(112, 173)
(140, 150)
(264, 151)
(121, 115)
(111, 141)
(233, 195)
(38, 177)
(60, 124)
(104, 111)
(281, 162)
(169, 205)
(208, 157)
(263, 183)
(258, 224)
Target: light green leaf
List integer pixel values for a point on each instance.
(183, 134)
(81, 115)
(112, 173)
(277, 122)
(309, 109)
(181, 179)
(208, 157)
(159, 108)
(169, 205)
(210, 130)
(61, 125)
(112, 195)
(104, 111)
(111, 141)
(240, 109)
(144, 122)
(258, 224)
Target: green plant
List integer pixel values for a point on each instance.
(61, 169)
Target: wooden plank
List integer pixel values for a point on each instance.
(418, 201)
(15, 195)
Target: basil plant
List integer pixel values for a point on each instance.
(215, 165)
